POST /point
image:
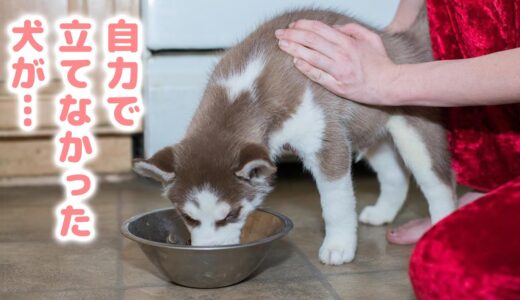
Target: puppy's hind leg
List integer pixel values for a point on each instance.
(394, 181)
(422, 146)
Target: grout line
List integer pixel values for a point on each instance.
(122, 288)
(364, 272)
(29, 240)
(110, 288)
(318, 275)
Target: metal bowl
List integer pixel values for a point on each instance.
(164, 239)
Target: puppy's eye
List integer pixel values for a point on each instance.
(190, 220)
(230, 218)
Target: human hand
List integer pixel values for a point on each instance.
(348, 60)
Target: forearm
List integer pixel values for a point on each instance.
(405, 15)
(486, 80)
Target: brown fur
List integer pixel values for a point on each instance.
(221, 129)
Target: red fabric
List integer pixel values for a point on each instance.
(485, 141)
(474, 253)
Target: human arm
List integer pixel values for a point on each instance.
(351, 62)
(407, 11)
(486, 80)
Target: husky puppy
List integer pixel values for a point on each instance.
(257, 103)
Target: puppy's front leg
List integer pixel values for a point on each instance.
(339, 213)
(338, 204)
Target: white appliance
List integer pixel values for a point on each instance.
(182, 37)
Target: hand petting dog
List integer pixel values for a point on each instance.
(348, 60)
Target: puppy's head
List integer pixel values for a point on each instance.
(212, 192)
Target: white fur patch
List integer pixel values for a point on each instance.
(249, 206)
(394, 181)
(440, 197)
(237, 83)
(304, 130)
(206, 207)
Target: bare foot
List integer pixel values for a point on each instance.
(469, 197)
(411, 232)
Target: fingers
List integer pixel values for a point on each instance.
(320, 29)
(310, 40)
(311, 56)
(315, 74)
(360, 32)
(317, 44)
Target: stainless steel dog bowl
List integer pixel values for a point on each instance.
(163, 237)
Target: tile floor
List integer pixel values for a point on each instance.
(34, 266)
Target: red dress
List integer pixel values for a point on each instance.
(485, 141)
(475, 252)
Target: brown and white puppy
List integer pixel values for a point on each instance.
(256, 103)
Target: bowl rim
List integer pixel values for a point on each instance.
(287, 226)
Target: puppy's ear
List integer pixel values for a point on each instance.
(158, 167)
(255, 165)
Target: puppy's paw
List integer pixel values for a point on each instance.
(337, 251)
(375, 215)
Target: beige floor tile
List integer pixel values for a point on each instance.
(27, 214)
(379, 285)
(283, 264)
(48, 266)
(301, 290)
(137, 269)
(373, 252)
(91, 294)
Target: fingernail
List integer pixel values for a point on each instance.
(278, 32)
(283, 43)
